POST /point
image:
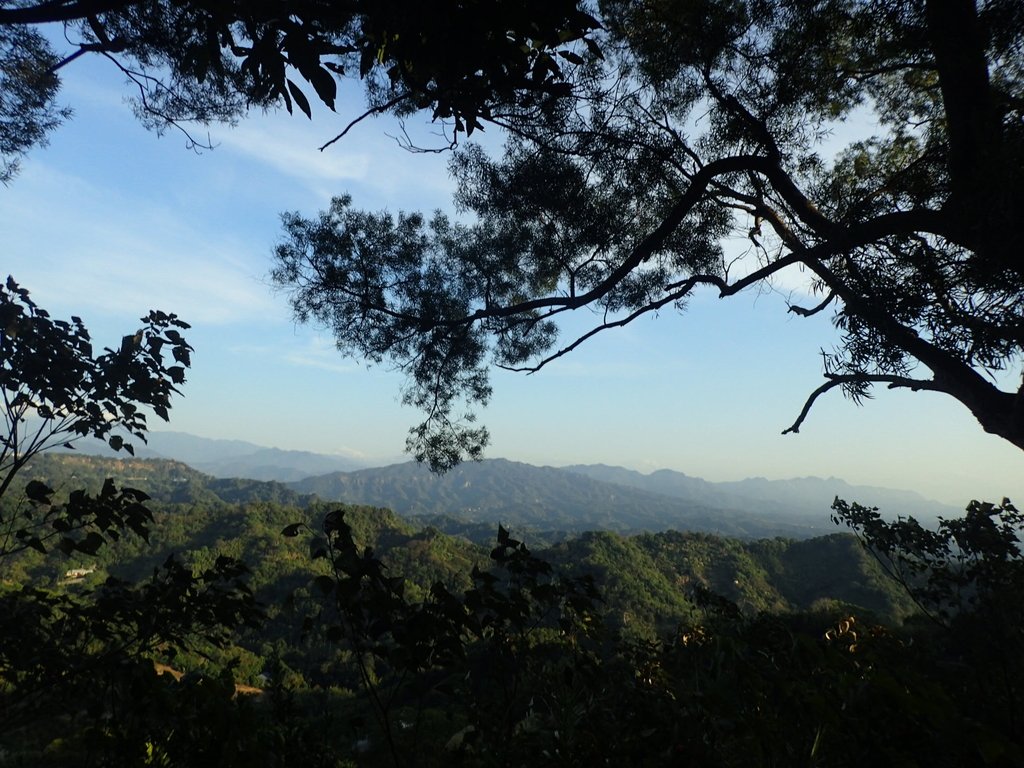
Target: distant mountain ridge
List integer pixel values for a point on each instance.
(228, 458)
(810, 496)
(544, 499)
(646, 579)
(550, 499)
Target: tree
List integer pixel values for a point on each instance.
(705, 121)
(28, 89)
(965, 575)
(211, 60)
(68, 656)
(55, 391)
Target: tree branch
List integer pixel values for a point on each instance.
(685, 287)
(803, 312)
(60, 10)
(644, 251)
(677, 290)
(379, 109)
(138, 78)
(834, 381)
(988, 403)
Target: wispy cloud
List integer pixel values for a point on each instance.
(88, 247)
(321, 353)
(288, 149)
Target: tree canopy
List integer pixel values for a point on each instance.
(54, 390)
(63, 650)
(688, 125)
(211, 60)
(642, 138)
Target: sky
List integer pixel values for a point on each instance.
(110, 221)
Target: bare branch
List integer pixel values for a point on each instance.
(140, 79)
(377, 110)
(804, 312)
(677, 290)
(834, 381)
(405, 142)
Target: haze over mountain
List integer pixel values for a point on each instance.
(229, 458)
(800, 495)
(544, 499)
(575, 499)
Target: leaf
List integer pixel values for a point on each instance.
(31, 541)
(325, 84)
(317, 548)
(38, 492)
(324, 583)
(292, 530)
(300, 99)
(90, 544)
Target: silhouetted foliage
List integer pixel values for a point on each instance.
(79, 658)
(212, 60)
(704, 123)
(28, 93)
(55, 390)
(422, 649)
(966, 576)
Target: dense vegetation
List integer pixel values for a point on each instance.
(237, 623)
(379, 641)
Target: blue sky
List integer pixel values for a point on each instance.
(111, 220)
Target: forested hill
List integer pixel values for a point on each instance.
(580, 499)
(543, 498)
(162, 479)
(550, 503)
(647, 580)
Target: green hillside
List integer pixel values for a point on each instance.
(646, 580)
(403, 638)
(198, 515)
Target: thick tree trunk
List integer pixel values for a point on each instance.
(985, 190)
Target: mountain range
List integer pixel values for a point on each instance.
(799, 495)
(227, 458)
(575, 499)
(646, 579)
(552, 501)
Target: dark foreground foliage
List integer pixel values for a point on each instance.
(505, 659)
(377, 644)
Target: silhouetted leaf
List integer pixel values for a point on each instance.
(300, 99)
